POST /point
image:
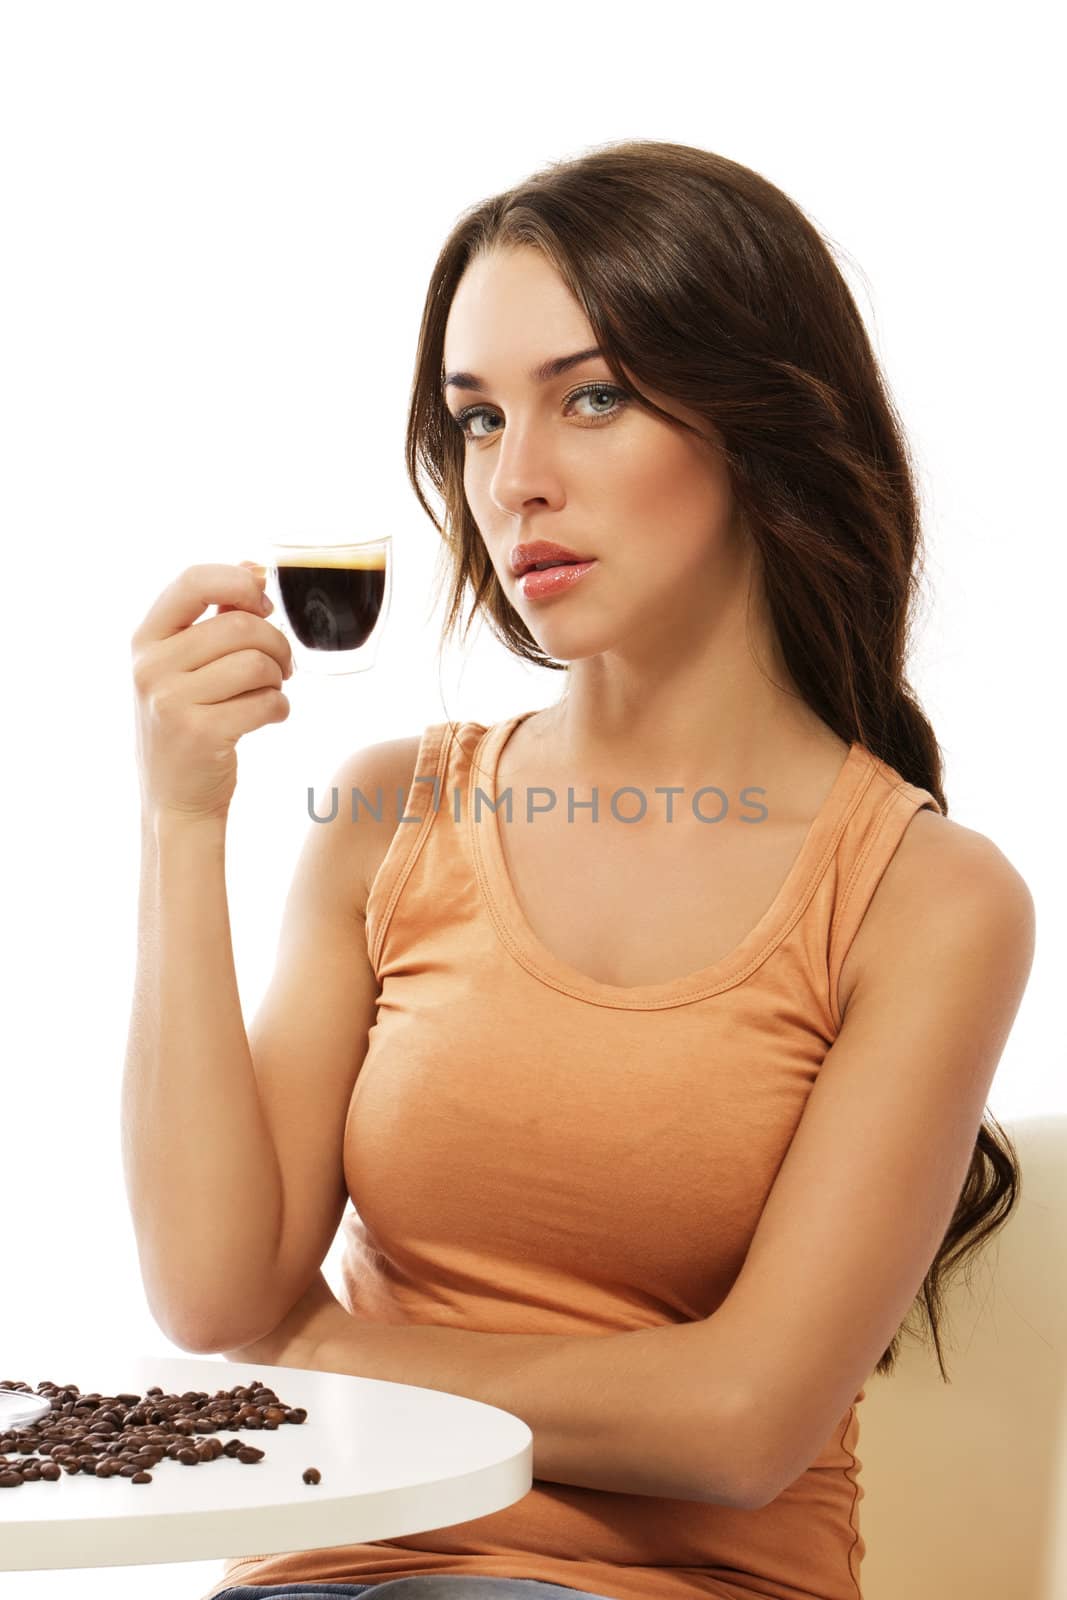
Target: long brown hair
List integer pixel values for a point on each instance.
(713, 287)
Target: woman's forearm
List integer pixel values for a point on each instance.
(632, 1413)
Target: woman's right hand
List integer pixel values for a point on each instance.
(200, 685)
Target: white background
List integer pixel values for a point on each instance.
(218, 222)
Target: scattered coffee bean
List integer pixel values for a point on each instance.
(312, 1475)
(128, 1435)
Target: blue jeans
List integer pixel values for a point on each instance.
(421, 1586)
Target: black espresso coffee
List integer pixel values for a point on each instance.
(332, 602)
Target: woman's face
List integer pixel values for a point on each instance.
(593, 472)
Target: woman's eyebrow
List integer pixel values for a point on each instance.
(541, 374)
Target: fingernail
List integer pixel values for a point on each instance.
(267, 605)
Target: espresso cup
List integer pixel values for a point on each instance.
(331, 601)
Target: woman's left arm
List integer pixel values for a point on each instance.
(637, 1412)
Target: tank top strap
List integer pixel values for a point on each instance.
(864, 851)
(441, 768)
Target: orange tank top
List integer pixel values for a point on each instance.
(529, 1150)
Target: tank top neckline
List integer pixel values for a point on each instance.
(808, 867)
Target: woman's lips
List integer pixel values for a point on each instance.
(553, 580)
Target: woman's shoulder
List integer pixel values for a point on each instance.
(382, 774)
(938, 864)
(938, 849)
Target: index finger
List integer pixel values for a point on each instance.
(183, 601)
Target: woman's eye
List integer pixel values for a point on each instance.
(464, 419)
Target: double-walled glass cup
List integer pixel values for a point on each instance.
(331, 601)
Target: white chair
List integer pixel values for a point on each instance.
(965, 1483)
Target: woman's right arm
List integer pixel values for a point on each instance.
(202, 1174)
(232, 1141)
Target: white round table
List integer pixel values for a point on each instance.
(394, 1460)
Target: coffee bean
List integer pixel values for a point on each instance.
(128, 1435)
(312, 1475)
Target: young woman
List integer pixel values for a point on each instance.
(675, 1012)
